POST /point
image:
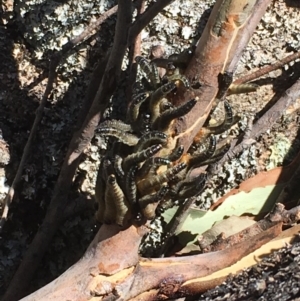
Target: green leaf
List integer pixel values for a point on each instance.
(258, 200)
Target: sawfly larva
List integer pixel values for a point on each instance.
(163, 121)
(123, 137)
(141, 156)
(154, 137)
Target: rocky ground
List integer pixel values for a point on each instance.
(275, 278)
(32, 30)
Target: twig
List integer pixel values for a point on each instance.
(267, 69)
(39, 113)
(264, 123)
(56, 211)
(235, 149)
(144, 19)
(221, 242)
(280, 214)
(134, 50)
(180, 215)
(90, 30)
(85, 35)
(267, 120)
(92, 89)
(52, 67)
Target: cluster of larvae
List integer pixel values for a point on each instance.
(140, 173)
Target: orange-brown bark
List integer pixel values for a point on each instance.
(112, 268)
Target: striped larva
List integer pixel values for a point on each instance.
(149, 203)
(130, 185)
(116, 124)
(156, 99)
(154, 137)
(219, 153)
(227, 122)
(144, 123)
(163, 121)
(194, 158)
(110, 209)
(191, 187)
(242, 88)
(118, 206)
(134, 108)
(179, 60)
(176, 153)
(100, 195)
(118, 166)
(140, 156)
(150, 70)
(149, 163)
(153, 181)
(155, 79)
(173, 75)
(123, 137)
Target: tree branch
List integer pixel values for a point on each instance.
(267, 69)
(55, 214)
(111, 268)
(39, 114)
(144, 19)
(219, 49)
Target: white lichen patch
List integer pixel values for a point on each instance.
(176, 27)
(278, 149)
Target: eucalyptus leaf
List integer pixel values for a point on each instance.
(258, 200)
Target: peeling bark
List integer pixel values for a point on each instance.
(216, 52)
(111, 268)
